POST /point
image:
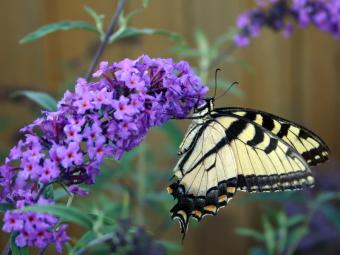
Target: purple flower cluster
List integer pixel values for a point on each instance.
(104, 118)
(280, 15)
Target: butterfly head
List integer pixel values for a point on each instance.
(206, 106)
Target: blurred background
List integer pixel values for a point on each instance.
(296, 78)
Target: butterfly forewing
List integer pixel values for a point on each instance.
(264, 162)
(305, 142)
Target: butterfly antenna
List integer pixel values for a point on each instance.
(216, 72)
(228, 89)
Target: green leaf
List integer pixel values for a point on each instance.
(222, 39)
(332, 213)
(5, 206)
(146, 3)
(49, 192)
(282, 232)
(248, 232)
(295, 219)
(65, 213)
(41, 98)
(98, 18)
(295, 237)
(15, 249)
(84, 240)
(132, 31)
(326, 197)
(204, 49)
(58, 26)
(269, 235)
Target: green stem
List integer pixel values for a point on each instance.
(105, 41)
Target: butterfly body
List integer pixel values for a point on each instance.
(232, 148)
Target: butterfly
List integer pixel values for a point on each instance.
(229, 149)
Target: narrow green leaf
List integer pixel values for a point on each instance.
(325, 197)
(332, 213)
(248, 232)
(296, 219)
(84, 240)
(295, 237)
(269, 235)
(41, 98)
(66, 213)
(49, 191)
(131, 15)
(98, 19)
(222, 39)
(58, 26)
(184, 51)
(146, 3)
(282, 221)
(203, 47)
(15, 249)
(132, 31)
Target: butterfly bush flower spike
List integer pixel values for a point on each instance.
(280, 15)
(102, 118)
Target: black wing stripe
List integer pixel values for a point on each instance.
(268, 123)
(271, 146)
(258, 137)
(283, 130)
(192, 145)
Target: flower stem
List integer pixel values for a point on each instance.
(105, 41)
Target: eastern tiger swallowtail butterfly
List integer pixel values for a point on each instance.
(232, 148)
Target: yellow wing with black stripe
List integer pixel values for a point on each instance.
(235, 148)
(311, 147)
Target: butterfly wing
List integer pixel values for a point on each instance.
(232, 151)
(311, 147)
(207, 177)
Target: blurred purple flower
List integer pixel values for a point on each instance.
(279, 15)
(103, 118)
